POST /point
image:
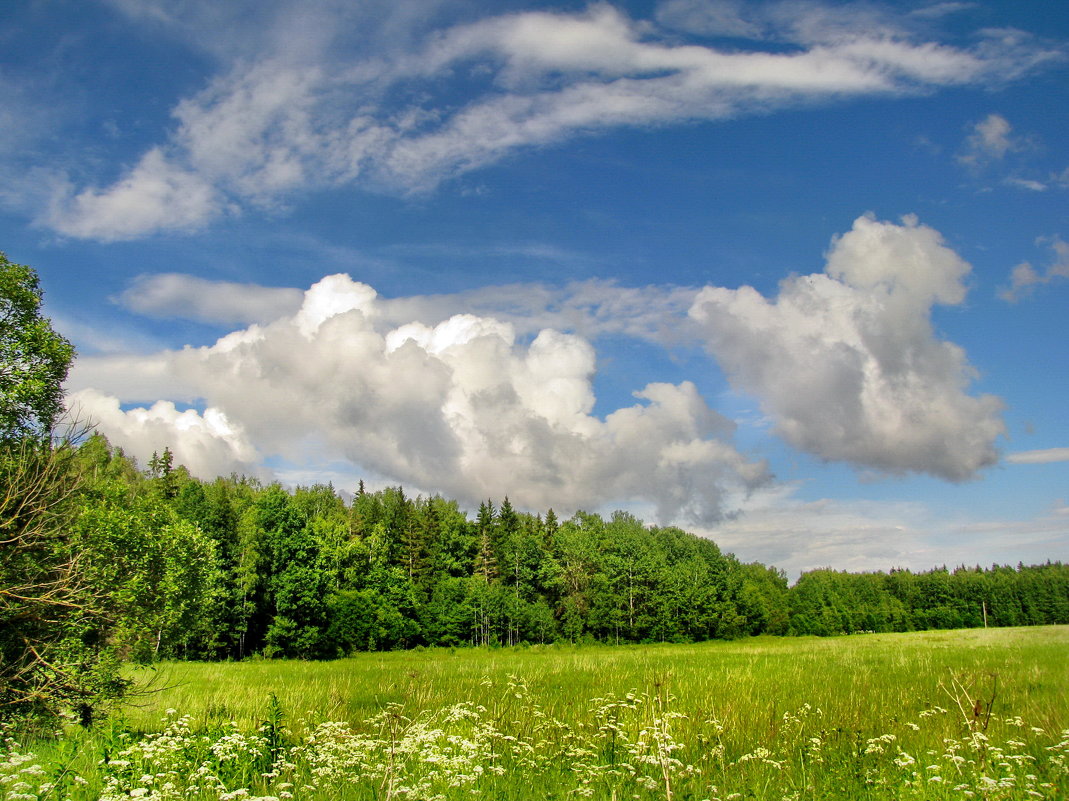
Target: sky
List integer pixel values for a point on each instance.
(790, 275)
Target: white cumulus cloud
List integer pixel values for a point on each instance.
(490, 391)
(207, 443)
(847, 363)
(460, 406)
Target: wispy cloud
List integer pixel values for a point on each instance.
(301, 115)
(778, 527)
(799, 22)
(1044, 456)
(591, 308)
(937, 10)
(990, 140)
(173, 295)
(1024, 278)
(993, 149)
(1028, 183)
(158, 194)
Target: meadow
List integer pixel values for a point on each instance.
(981, 713)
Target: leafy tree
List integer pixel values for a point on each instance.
(577, 561)
(762, 598)
(34, 359)
(187, 569)
(298, 583)
(155, 574)
(161, 470)
(418, 540)
(100, 465)
(453, 550)
(449, 617)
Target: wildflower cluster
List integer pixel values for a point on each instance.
(637, 745)
(21, 777)
(631, 747)
(179, 763)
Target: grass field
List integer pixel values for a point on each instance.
(949, 714)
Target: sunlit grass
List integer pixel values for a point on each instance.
(746, 681)
(880, 716)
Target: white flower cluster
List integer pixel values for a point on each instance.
(637, 745)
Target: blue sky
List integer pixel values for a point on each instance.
(792, 275)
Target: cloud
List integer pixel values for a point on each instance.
(797, 22)
(937, 10)
(207, 443)
(155, 195)
(1028, 183)
(590, 308)
(246, 30)
(174, 295)
(780, 528)
(91, 337)
(710, 18)
(993, 148)
(989, 141)
(1045, 456)
(845, 365)
(1024, 278)
(303, 113)
(459, 406)
(846, 362)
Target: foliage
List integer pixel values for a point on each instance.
(34, 359)
(53, 649)
(155, 572)
(827, 602)
(53, 653)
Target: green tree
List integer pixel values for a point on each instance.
(156, 574)
(299, 582)
(34, 359)
(762, 598)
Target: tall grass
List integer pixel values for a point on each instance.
(958, 714)
(854, 679)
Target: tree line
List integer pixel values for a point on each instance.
(230, 568)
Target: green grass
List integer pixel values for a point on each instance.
(846, 717)
(855, 680)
